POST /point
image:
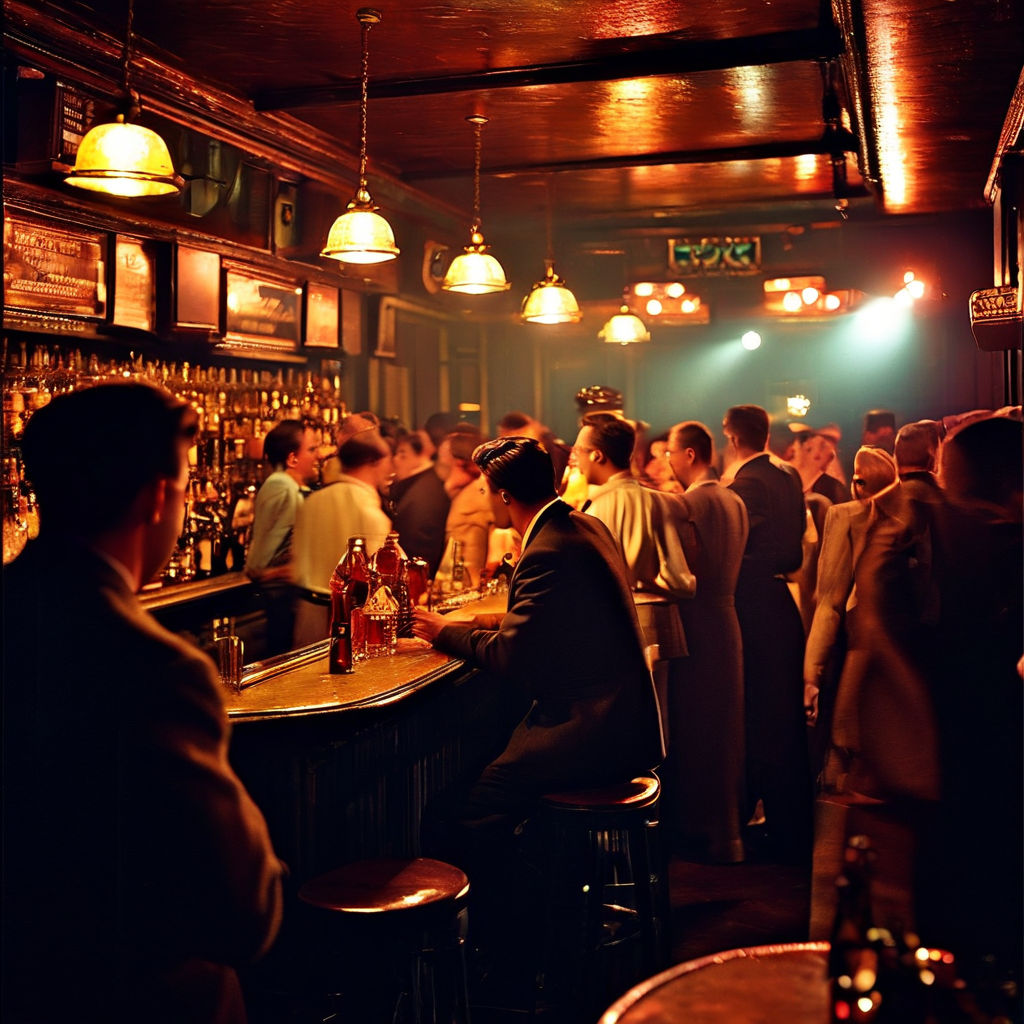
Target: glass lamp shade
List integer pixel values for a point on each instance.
(475, 271)
(360, 234)
(624, 328)
(124, 160)
(550, 302)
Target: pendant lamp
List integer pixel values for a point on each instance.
(360, 234)
(475, 271)
(121, 158)
(624, 328)
(550, 301)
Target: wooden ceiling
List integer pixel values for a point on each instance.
(622, 119)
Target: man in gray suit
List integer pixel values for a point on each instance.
(137, 870)
(773, 635)
(703, 774)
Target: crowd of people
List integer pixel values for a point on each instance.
(733, 616)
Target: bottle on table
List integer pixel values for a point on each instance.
(349, 588)
(391, 567)
(386, 563)
(380, 617)
(853, 959)
(459, 577)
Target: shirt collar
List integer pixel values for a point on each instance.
(623, 476)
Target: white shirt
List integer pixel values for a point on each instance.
(639, 519)
(327, 518)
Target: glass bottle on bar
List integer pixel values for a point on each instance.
(459, 581)
(386, 564)
(349, 588)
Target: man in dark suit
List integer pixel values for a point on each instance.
(137, 870)
(570, 640)
(571, 645)
(772, 630)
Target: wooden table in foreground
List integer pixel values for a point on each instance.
(780, 984)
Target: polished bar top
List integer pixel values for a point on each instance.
(157, 596)
(300, 684)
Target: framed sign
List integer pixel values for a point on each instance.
(197, 289)
(715, 256)
(261, 310)
(54, 270)
(134, 284)
(322, 316)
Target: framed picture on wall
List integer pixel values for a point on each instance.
(387, 327)
(52, 268)
(322, 316)
(261, 310)
(196, 289)
(134, 284)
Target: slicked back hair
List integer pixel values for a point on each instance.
(519, 465)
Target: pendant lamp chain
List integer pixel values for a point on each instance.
(360, 235)
(126, 55)
(122, 158)
(478, 127)
(365, 21)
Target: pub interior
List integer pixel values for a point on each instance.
(672, 211)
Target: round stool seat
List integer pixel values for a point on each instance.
(387, 886)
(391, 940)
(625, 796)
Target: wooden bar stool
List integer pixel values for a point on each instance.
(607, 914)
(398, 929)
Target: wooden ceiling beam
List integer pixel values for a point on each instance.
(677, 58)
(836, 144)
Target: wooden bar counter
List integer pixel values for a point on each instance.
(342, 765)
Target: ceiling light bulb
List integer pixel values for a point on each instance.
(791, 302)
(675, 290)
(653, 307)
(551, 302)
(624, 328)
(643, 289)
(751, 341)
(810, 296)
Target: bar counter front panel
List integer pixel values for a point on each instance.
(342, 765)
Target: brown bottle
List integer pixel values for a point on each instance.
(348, 590)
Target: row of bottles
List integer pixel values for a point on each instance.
(236, 407)
(887, 976)
(372, 601)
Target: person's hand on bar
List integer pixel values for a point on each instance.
(426, 625)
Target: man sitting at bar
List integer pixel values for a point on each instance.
(570, 644)
(570, 640)
(137, 870)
